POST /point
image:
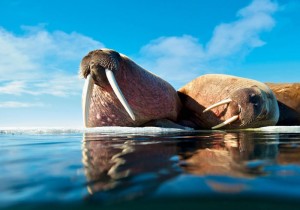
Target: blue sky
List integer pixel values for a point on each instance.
(42, 43)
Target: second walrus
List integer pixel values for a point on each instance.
(215, 101)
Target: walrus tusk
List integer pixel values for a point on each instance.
(226, 122)
(225, 101)
(113, 83)
(86, 98)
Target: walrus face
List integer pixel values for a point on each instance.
(96, 62)
(98, 67)
(247, 107)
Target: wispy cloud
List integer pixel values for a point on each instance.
(17, 104)
(59, 85)
(41, 62)
(180, 59)
(242, 35)
(173, 58)
(13, 88)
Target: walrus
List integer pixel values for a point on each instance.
(215, 101)
(288, 98)
(119, 92)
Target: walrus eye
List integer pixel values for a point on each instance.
(253, 98)
(113, 83)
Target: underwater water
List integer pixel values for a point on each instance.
(114, 168)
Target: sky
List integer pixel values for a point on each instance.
(42, 43)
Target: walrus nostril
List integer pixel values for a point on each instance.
(84, 69)
(86, 72)
(240, 108)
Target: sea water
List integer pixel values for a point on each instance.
(147, 168)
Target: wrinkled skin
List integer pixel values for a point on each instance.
(252, 101)
(288, 97)
(150, 97)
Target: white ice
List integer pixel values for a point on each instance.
(102, 130)
(115, 130)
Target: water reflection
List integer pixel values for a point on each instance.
(233, 154)
(125, 163)
(134, 166)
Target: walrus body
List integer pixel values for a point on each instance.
(246, 103)
(288, 97)
(150, 97)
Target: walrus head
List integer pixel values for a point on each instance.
(99, 67)
(248, 107)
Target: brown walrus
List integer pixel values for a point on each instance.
(216, 100)
(118, 92)
(288, 98)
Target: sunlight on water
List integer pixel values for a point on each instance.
(108, 166)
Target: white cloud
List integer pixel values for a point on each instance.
(180, 59)
(13, 88)
(242, 35)
(17, 104)
(176, 55)
(59, 85)
(41, 62)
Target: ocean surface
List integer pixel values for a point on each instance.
(149, 168)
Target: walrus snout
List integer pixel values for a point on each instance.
(251, 105)
(244, 107)
(95, 63)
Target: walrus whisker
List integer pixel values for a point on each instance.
(86, 98)
(226, 122)
(113, 83)
(225, 101)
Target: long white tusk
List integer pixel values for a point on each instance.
(113, 83)
(86, 98)
(226, 122)
(225, 101)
